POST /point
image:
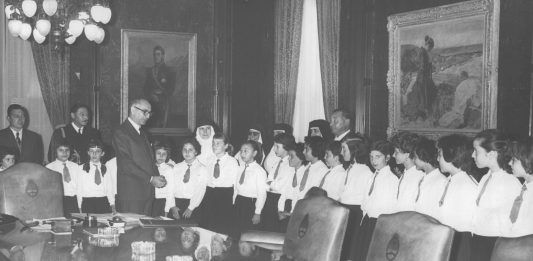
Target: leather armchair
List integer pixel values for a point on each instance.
(28, 191)
(315, 231)
(410, 236)
(513, 249)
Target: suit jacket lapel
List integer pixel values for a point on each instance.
(140, 138)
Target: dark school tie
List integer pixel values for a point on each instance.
(517, 204)
(79, 131)
(277, 170)
(304, 178)
(97, 177)
(66, 173)
(216, 171)
(483, 190)
(294, 180)
(419, 184)
(441, 201)
(324, 179)
(399, 185)
(373, 183)
(187, 175)
(19, 141)
(241, 180)
(347, 172)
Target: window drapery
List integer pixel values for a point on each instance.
(328, 35)
(288, 24)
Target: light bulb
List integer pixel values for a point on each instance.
(25, 31)
(71, 39)
(14, 27)
(96, 12)
(38, 37)
(91, 31)
(75, 27)
(29, 7)
(101, 35)
(9, 10)
(50, 7)
(43, 26)
(106, 15)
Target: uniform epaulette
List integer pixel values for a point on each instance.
(473, 179)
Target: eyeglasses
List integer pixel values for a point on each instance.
(146, 112)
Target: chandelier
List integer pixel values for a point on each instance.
(63, 20)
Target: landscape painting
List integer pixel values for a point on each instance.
(439, 70)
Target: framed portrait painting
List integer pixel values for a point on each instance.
(443, 69)
(161, 68)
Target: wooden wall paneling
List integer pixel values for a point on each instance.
(252, 91)
(222, 41)
(514, 76)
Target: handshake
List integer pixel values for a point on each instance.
(158, 181)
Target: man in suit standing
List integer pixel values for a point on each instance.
(78, 134)
(137, 173)
(27, 143)
(340, 124)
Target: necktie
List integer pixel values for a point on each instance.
(187, 175)
(216, 171)
(241, 180)
(441, 201)
(324, 179)
(97, 177)
(277, 170)
(66, 173)
(304, 178)
(294, 180)
(399, 185)
(516, 205)
(419, 183)
(347, 173)
(483, 190)
(19, 141)
(373, 182)
(79, 130)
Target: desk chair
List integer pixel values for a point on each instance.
(513, 249)
(315, 231)
(410, 236)
(28, 191)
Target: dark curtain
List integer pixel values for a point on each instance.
(288, 27)
(328, 38)
(53, 74)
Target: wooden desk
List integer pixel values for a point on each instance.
(171, 246)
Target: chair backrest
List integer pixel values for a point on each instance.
(316, 230)
(410, 236)
(513, 249)
(28, 190)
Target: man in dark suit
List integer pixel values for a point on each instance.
(27, 143)
(78, 134)
(137, 173)
(340, 124)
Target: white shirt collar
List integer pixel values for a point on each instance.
(136, 126)
(338, 138)
(15, 132)
(76, 128)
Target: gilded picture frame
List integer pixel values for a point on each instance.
(160, 67)
(443, 69)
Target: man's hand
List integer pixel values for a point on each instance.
(158, 181)
(187, 213)
(174, 212)
(256, 219)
